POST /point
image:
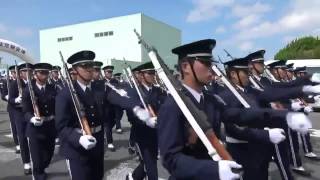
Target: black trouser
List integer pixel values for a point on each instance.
(295, 159)
(91, 167)
(13, 127)
(306, 143)
(118, 116)
(41, 151)
(148, 162)
(108, 126)
(281, 157)
(21, 126)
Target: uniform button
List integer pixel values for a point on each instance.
(92, 114)
(47, 111)
(91, 107)
(45, 106)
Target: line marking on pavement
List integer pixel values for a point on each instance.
(315, 133)
(8, 135)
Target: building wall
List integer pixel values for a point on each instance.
(121, 44)
(163, 37)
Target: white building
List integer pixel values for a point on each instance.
(111, 39)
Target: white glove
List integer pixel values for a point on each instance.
(18, 100)
(296, 106)
(216, 157)
(308, 109)
(122, 93)
(311, 89)
(225, 172)
(151, 122)
(36, 121)
(315, 77)
(276, 135)
(298, 122)
(141, 113)
(6, 97)
(317, 98)
(87, 141)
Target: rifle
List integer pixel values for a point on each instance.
(138, 89)
(8, 80)
(32, 96)
(228, 54)
(62, 78)
(196, 118)
(83, 121)
(126, 75)
(18, 79)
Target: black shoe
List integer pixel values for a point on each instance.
(131, 151)
(17, 151)
(301, 172)
(27, 171)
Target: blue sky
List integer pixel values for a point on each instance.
(240, 26)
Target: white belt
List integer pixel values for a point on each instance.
(234, 140)
(93, 129)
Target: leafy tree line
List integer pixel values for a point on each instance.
(302, 48)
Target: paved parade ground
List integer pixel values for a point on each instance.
(118, 163)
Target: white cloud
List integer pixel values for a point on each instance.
(206, 9)
(246, 10)
(221, 29)
(246, 46)
(247, 21)
(301, 17)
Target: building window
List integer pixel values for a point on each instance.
(102, 34)
(65, 39)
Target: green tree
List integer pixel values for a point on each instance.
(302, 48)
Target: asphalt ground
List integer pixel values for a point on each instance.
(117, 164)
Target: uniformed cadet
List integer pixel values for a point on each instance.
(253, 147)
(119, 111)
(85, 152)
(15, 99)
(97, 70)
(114, 112)
(303, 105)
(278, 69)
(145, 132)
(41, 130)
(55, 79)
(5, 97)
(190, 160)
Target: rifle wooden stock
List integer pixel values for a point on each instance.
(85, 126)
(32, 96)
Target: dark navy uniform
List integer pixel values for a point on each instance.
(84, 164)
(145, 136)
(4, 93)
(19, 119)
(41, 138)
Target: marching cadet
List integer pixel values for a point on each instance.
(146, 133)
(279, 72)
(118, 110)
(113, 111)
(85, 152)
(183, 159)
(15, 99)
(252, 147)
(41, 130)
(305, 138)
(55, 79)
(97, 70)
(5, 97)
